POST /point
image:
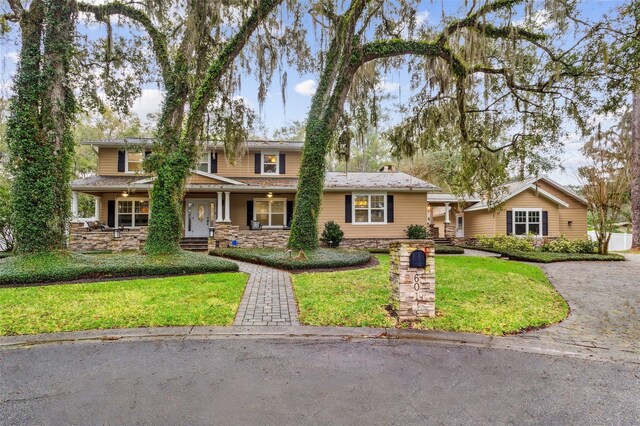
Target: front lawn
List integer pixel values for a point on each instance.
(59, 267)
(280, 258)
(211, 299)
(478, 295)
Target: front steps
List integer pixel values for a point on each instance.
(195, 244)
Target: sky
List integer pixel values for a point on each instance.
(301, 88)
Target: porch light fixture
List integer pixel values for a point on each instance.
(570, 222)
(212, 231)
(269, 195)
(116, 233)
(125, 194)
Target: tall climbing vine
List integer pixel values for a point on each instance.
(39, 128)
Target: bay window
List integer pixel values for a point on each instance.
(369, 208)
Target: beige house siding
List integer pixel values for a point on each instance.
(108, 162)
(244, 167)
(409, 208)
(576, 213)
(528, 199)
(480, 222)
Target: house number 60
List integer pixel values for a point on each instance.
(416, 282)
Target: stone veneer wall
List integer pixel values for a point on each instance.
(367, 243)
(265, 238)
(414, 289)
(83, 240)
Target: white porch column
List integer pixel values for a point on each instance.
(96, 207)
(446, 213)
(227, 207)
(219, 216)
(430, 214)
(74, 204)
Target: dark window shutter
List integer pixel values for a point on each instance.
(249, 212)
(111, 213)
(283, 164)
(121, 156)
(347, 209)
(390, 216)
(258, 165)
(214, 162)
(545, 223)
(509, 222)
(289, 212)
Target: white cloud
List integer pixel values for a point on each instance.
(422, 18)
(306, 88)
(12, 56)
(149, 102)
(387, 86)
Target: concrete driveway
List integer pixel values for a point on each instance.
(605, 307)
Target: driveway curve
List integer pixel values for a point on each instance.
(605, 307)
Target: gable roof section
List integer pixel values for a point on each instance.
(512, 189)
(148, 142)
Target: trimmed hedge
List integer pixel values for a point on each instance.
(440, 249)
(62, 266)
(549, 257)
(317, 259)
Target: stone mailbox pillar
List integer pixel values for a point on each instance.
(413, 278)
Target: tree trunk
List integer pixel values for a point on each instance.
(635, 168)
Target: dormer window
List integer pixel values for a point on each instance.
(134, 161)
(270, 163)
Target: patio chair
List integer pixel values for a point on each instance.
(255, 225)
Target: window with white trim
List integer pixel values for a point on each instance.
(203, 164)
(134, 161)
(270, 163)
(527, 221)
(270, 212)
(369, 208)
(132, 212)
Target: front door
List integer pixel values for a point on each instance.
(459, 225)
(198, 217)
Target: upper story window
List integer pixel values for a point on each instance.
(203, 163)
(369, 208)
(527, 221)
(134, 161)
(270, 163)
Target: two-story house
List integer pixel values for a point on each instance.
(251, 202)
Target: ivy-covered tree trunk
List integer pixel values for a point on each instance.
(39, 128)
(635, 169)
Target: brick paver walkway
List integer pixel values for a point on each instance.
(268, 298)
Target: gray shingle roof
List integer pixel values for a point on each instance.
(251, 144)
(376, 180)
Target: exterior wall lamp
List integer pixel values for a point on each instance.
(116, 233)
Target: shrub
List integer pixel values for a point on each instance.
(507, 242)
(563, 245)
(61, 266)
(550, 257)
(316, 259)
(449, 250)
(416, 232)
(332, 235)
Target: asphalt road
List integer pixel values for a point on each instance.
(308, 381)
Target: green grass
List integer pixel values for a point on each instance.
(477, 295)
(538, 256)
(64, 266)
(211, 299)
(276, 258)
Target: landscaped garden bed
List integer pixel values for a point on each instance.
(558, 250)
(59, 267)
(290, 260)
(478, 295)
(210, 299)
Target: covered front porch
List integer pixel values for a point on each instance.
(446, 216)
